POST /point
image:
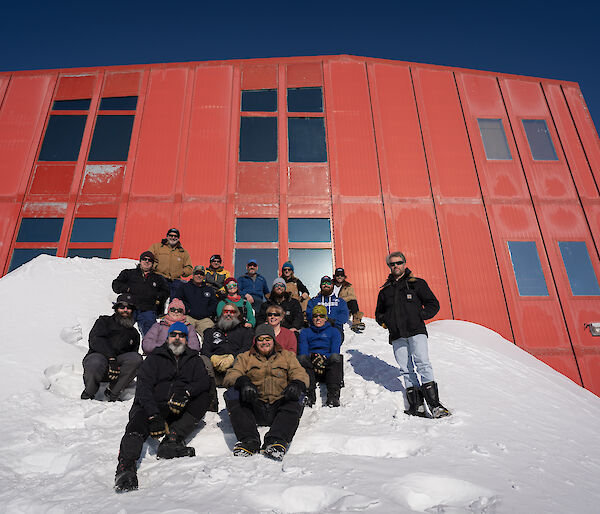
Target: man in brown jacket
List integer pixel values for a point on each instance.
(344, 290)
(266, 387)
(172, 261)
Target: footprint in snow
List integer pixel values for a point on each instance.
(72, 335)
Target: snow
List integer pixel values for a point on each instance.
(522, 438)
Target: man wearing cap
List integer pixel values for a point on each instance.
(293, 317)
(266, 388)
(171, 400)
(344, 290)
(200, 301)
(253, 286)
(172, 261)
(294, 285)
(148, 288)
(337, 309)
(113, 356)
(216, 275)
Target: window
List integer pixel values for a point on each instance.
(494, 140)
(119, 103)
(527, 268)
(63, 137)
(71, 105)
(305, 99)
(307, 140)
(22, 255)
(256, 230)
(310, 265)
(267, 259)
(540, 142)
(580, 271)
(260, 100)
(111, 139)
(302, 230)
(93, 230)
(88, 253)
(258, 139)
(40, 230)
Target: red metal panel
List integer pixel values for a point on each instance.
(73, 88)
(309, 180)
(103, 179)
(3, 86)
(9, 216)
(52, 179)
(203, 226)
(96, 208)
(121, 83)
(259, 76)
(258, 182)
(304, 74)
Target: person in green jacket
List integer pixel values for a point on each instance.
(233, 296)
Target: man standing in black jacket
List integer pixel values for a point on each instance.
(404, 302)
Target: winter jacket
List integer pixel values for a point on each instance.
(271, 375)
(110, 338)
(173, 261)
(200, 301)
(287, 340)
(162, 374)
(149, 290)
(216, 278)
(234, 342)
(256, 287)
(295, 287)
(324, 340)
(243, 305)
(337, 309)
(403, 304)
(346, 292)
(293, 317)
(158, 333)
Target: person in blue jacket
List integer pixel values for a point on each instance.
(337, 309)
(319, 354)
(253, 286)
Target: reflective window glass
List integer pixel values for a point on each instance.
(310, 265)
(267, 259)
(258, 139)
(307, 140)
(528, 269)
(260, 100)
(63, 137)
(305, 99)
(539, 140)
(494, 140)
(93, 230)
(580, 271)
(88, 253)
(112, 135)
(256, 230)
(301, 230)
(71, 105)
(40, 230)
(119, 103)
(22, 255)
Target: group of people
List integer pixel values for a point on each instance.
(268, 348)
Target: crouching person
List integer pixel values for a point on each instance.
(266, 387)
(170, 400)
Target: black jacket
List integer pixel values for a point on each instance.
(149, 291)
(403, 304)
(293, 317)
(234, 342)
(200, 301)
(161, 375)
(110, 338)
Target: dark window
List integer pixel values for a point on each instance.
(260, 100)
(258, 139)
(256, 230)
(112, 136)
(528, 269)
(305, 99)
(63, 137)
(301, 230)
(71, 105)
(119, 103)
(267, 259)
(22, 255)
(310, 265)
(580, 271)
(494, 140)
(40, 230)
(539, 140)
(307, 140)
(88, 253)
(93, 230)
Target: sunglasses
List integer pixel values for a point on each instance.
(216, 260)
(199, 273)
(287, 270)
(231, 286)
(176, 310)
(273, 314)
(180, 335)
(326, 283)
(228, 311)
(124, 306)
(280, 285)
(147, 259)
(173, 236)
(252, 265)
(397, 263)
(264, 338)
(320, 316)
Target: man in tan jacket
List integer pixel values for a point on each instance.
(172, 261)
(266, 387)
(344, 290)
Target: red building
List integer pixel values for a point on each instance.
(488, 182)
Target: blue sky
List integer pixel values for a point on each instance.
(544, 39)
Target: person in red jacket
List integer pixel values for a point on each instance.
(284, 336)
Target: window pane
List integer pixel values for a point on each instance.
(22, 255)
(258, 139)
(93, 230)
(71, 105)
(539, 140)
(63, 137)
(302, 230)
(40, 230)
(528, 269)
(260, 100)
(310, 266)
(494, 140)
(88, 253)
(307, 140)
(256, 230)
(119, 103)
(267, 262)
(112, 135)
(579, 268)
(305, 99)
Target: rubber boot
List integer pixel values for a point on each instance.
(173, 446)
(416, 407)
(430, 392)
(125, 476)
(333, 395)
(246, 448)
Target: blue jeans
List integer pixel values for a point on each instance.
(145, 320)
(411, 352)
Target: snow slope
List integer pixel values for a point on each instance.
(522, 439)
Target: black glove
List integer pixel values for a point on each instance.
(157, 426)
(293, 390)
(178, 401)
(113, 369)
(318, 362)
(248, 391)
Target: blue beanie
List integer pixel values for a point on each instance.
(288, 264)
(178, 326)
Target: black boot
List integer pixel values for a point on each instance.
(430, 392)
(311, 397)
(416, 407)
(246, 448)
(213, 399)
(173, 446)
(333, 395)
(274, 449)
(125, 476)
